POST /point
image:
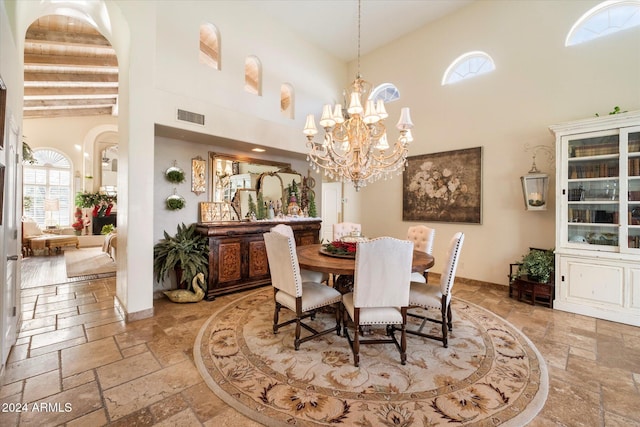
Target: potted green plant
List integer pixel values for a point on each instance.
(538, 265)
(107, 228)
(186, 253)
(174, 174)
(175, 202)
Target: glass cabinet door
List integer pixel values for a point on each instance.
(633, 196)
(593, 185)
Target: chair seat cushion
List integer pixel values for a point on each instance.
(314, 295)
(373, 315)
(312, 276)
(418, 277)
(425, 295)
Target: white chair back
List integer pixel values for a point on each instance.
(383, 273)
(285, 230)
(342, 229)
(422, 238)
(449, 270)
(283, 263)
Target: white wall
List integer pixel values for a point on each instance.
(180, 81)
(537, 82)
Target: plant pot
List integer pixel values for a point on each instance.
(178, 270)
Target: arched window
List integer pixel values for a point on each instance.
(386, 91)
(466, 66)
(286, 100)
(253, 75)
(210, 46)
(606, 18)
(47, 182)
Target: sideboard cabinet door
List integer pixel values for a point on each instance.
(237, 253)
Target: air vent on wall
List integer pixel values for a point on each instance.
(188, 116)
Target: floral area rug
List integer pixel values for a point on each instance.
(489, 375)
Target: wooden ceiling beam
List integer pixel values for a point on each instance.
(105, 111)
(34, 76)
(65, 38)
(70, 61)
(62, 91)
(91, 102)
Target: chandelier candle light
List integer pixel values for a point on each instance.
(355, 146)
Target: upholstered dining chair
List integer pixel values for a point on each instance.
(438, 297)
(422, 238)
(290, 291)
(380, 292)
(307, 275)
(342, 229)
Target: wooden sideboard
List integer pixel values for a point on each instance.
(237, 254)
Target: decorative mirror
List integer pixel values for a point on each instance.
(234, 178)
(271, 188)
(198, 175)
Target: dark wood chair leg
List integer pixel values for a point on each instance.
(444, 326)
(403, 337)
(356, 338)
(275, 318)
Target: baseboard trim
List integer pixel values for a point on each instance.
(131, 317)
(435, 277)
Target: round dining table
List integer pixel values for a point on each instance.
(311, 258)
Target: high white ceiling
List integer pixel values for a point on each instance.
(333, 24)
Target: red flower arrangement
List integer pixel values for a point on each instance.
(341, 248)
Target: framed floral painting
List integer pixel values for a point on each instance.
(443, 187)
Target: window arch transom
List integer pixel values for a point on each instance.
(469, 65)
(387, 92)
(606, 18)
(210, 46)
(286, 100)
(253, 75)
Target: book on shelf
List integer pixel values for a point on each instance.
(595, 150)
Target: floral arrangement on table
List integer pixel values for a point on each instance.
(338, 247)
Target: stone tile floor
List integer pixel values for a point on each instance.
(79, 363)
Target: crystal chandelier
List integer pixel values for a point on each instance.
(355, 146)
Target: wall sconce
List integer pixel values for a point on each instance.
(535, 185)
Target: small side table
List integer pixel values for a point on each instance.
(532, 291)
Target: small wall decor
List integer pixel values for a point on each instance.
(174, 174)
(445, 187)
(198, 175)
(216, 211)
(175, 202)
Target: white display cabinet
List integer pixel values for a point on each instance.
(598, 217)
